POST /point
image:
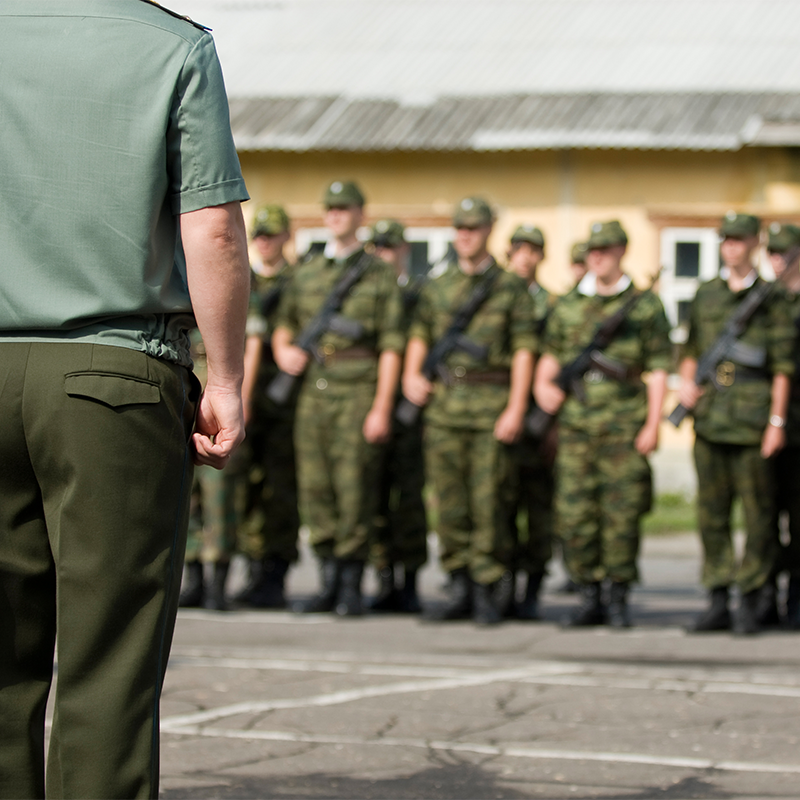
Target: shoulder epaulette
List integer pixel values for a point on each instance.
(178, 16)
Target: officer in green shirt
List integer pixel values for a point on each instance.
(787, 462)
(533, 546)
(474, 417)
(738, 428)
(603, 479)
(120, 230)
(267, 532)
(400, 539)
(344, 411)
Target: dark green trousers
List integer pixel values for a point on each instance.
(723, 472)
(474, 479)
(95, 476)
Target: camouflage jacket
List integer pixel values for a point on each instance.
(374, 302)
(739, 413)
(259, 324)
(612, 407)
(793, 417)
(504, 324)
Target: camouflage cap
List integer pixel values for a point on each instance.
(472, 212)
(530, 234)
(343, 194)
(782, 237)
(606, 234)
(578, 253)
(739, 225)
(270, 220)
(387, 233)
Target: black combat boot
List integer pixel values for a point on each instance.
(387, 598)
(490, 601)
(716, 617)
(529, 607)
(618, 616)
(268, 590)
(793, 603)
(214, 591)
(591, 610)
(254, 576)
(459, 598)
(192, 589)
(348, 600)
(329, 588)
(767, 605)
(408, 597)
(746, 620)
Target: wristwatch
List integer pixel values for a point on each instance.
(777, 422)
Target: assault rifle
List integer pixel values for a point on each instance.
(269, 302)
(591, 357)
(453, 339)
(326, 319)
(727, 347)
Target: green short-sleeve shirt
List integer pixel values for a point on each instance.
(115, 122)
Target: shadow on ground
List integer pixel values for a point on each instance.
(450, 781)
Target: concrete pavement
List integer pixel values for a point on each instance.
(274, 705)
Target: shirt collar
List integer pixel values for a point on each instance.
(752, 277)
(534, 289)
(259, 268)
(334, 254)
(588, 285)
(482, 267)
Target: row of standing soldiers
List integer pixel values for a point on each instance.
(360, 348)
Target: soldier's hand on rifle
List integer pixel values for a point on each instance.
(689, 393)
(509, 425)
(417, 388)
(290, 358)
(549, 396)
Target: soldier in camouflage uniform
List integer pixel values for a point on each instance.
(399, 545)
(603, 479)
(267, 532)
(787, 461)
(577, 265)
(211, 538)
(473, 419)
(737, 430)
(534, 456)
(344, 411)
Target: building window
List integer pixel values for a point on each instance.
(688, 257)
(428, 245)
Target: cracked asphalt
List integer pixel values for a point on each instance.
(276, 705)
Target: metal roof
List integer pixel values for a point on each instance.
(688, 121)
(417, 51)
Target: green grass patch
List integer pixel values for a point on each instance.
(676, 513)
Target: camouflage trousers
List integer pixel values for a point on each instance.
(212, 515)
(532, 519)
(787, 483)
(270, 519)
(401, 530)
(723, 472)
(603, 487)
(337, 470)
(474, 480)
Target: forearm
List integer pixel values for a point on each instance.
(521, 381)
(389, 363)
(253, 347)
(218, 276)
(781, 389)
(656, 392)
(416, 352)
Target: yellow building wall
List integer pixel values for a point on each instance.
(561, 192)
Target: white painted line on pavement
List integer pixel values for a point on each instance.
(487, 749)
(349, 696)
(259, 617)
(675, 685)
